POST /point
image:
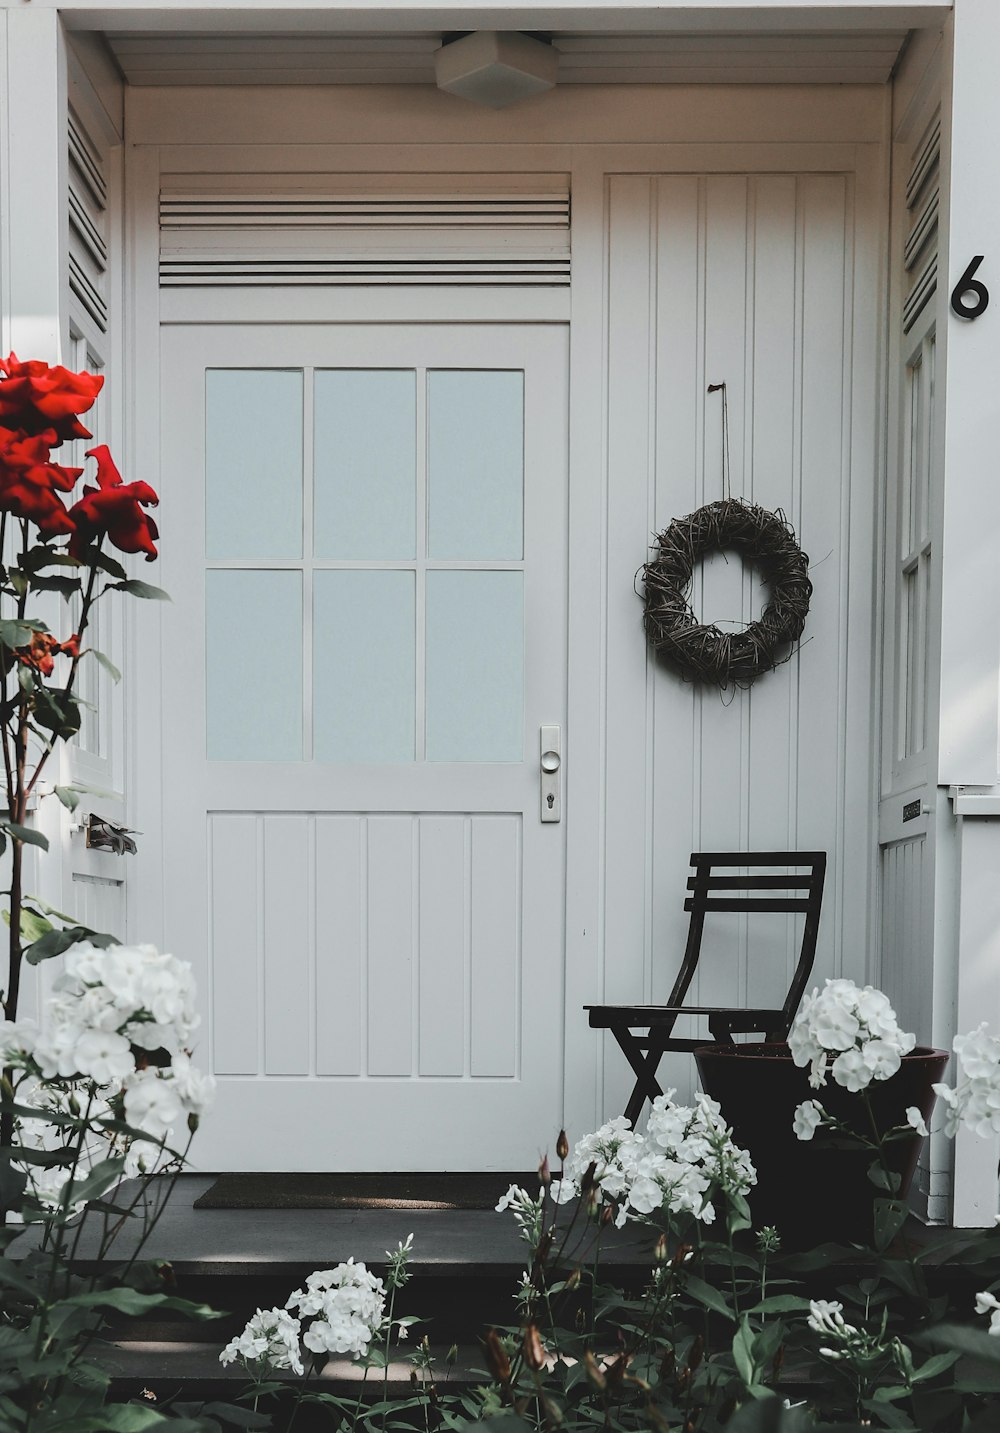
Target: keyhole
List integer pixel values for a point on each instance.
(551, 800)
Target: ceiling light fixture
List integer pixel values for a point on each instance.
(495, 68)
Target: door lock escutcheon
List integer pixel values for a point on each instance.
(550, 765)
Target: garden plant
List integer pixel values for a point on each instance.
(100, 1099)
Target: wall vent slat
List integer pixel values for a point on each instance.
(87, 202)
(467, 236)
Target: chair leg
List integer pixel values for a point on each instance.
(644, 1065)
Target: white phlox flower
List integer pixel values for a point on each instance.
(271, 1337)
(986, 1303)
(806, 1119)
(975, 1100)
(849, 1032)
(675, 1164)
(346, 1306)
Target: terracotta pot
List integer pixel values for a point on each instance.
(814, 1190)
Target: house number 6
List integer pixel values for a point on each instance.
(969, 284)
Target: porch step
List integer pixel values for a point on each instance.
(161, 1367)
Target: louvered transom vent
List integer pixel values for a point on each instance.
(269, 237)
(920, 255)
(88, 220)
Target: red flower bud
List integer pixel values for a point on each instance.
(562, 1147)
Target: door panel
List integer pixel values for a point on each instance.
(354, 856)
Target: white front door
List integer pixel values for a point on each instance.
(367, 558)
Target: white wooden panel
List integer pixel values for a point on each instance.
(745, 278)
(390, 945)
(235, 891)
(341, 916)
(288, 909)
(444, 943)
(496, 945)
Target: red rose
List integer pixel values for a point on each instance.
(28, 482)
(44, 649)
(114, 509)
(37, 399)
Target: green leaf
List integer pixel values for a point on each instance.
(882, 1180)
(780, 1304)
(33, 925)
(12, 1185)
(106, 663)
(65, 586)
(57, 711)
(890, 1217)
(132, 1302)
(38, 557)
(69, 798)
(94, 557)
(27, 834)
(135, 588)
(17, 632)
(937, 1363)
(55, 942)
(104, 1176)
(704, 1294)
(743, 1352)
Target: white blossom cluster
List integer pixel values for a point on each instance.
(850, 1033)
(684, 1154)
(271, 1337)
(346, 1306)
(826, 1316)
(975, 1101)
(89, 1058)
(340, 1310)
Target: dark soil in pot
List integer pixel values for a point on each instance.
(816, 1190)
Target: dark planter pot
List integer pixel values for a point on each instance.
(814, 1190)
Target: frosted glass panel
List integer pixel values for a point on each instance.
(253, 462)
(365, 463)
(475, 666)
(475, 429)
(365, 660)
(254, 653)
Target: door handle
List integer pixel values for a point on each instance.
(550, 773)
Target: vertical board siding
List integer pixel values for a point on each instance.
(366, 946)
(747, 280)
(907, 891)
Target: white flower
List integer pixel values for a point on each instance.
(826, 1316)
(858, 1027)
(270, 1337)
(916, 1119)
(987, 1304)
(851, 1070)
(346, 1305)
(807, 1117)
(17, 1039)
(152, 1104)
(975, 1100)
(103, 1056)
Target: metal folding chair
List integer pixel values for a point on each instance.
(722, 881)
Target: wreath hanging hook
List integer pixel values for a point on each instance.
(702, 652)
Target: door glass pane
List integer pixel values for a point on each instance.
(365, 661)
(253, 462)
(475, 666)
(365, 463)
(475, 444)
(254, 649)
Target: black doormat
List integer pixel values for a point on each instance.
(361, 1191)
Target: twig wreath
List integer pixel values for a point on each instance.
(702, 652)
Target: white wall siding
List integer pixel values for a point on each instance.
(748, 280)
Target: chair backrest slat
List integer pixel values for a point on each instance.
(752, 883)
(747, 903)
(734, 871)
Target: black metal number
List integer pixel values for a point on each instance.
(968, 283)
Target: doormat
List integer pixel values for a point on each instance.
(361, 1191)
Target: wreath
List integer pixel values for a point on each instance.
(700, 651)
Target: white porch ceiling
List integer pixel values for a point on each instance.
(329, 59)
